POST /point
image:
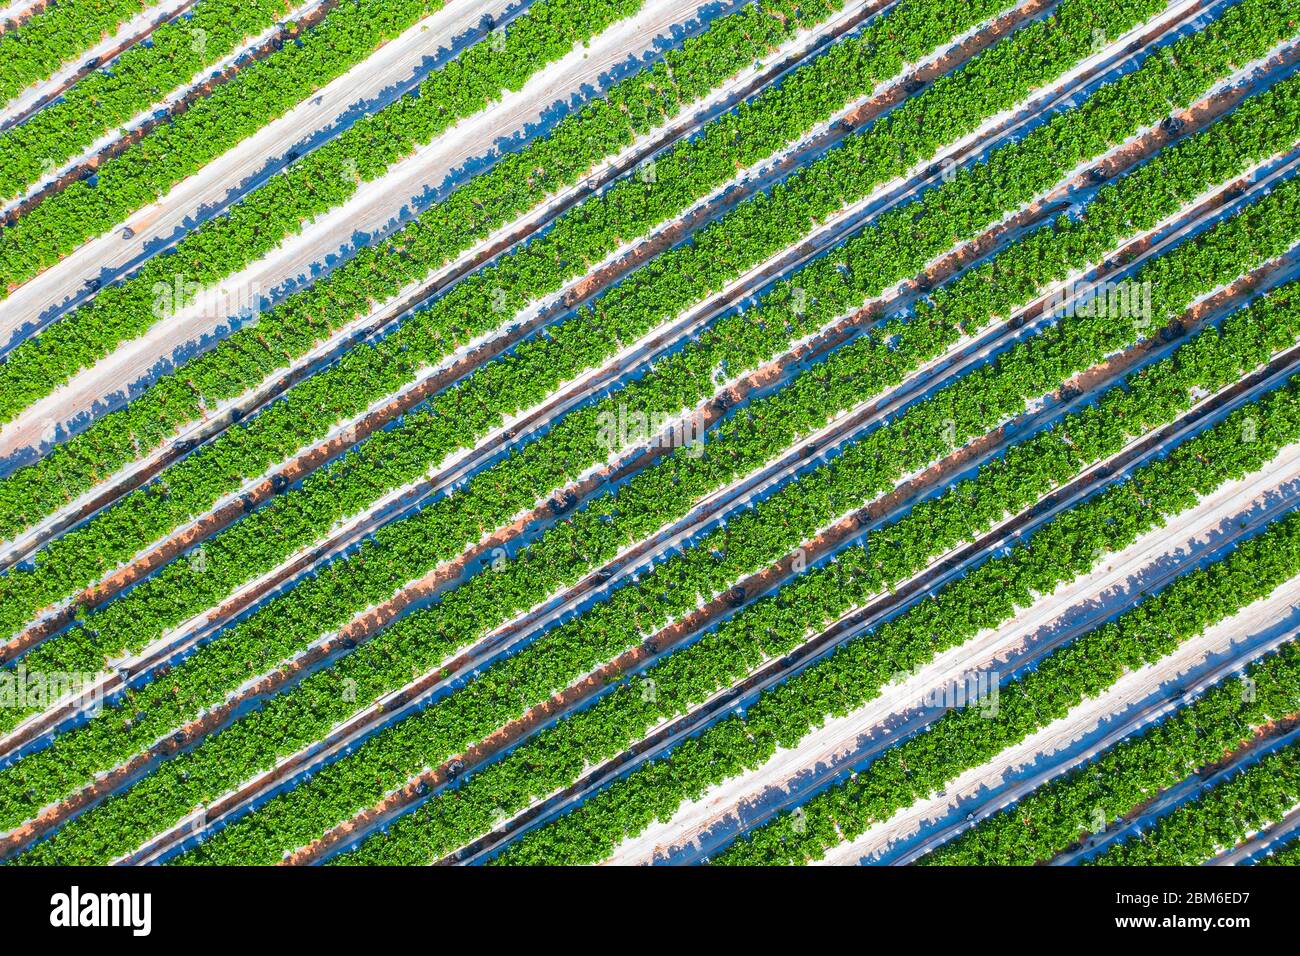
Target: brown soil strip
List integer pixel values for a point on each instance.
(13, 23)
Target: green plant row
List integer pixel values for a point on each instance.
(1059, 814)
(984, 598)
(1217, 820)
(775, 625)
(901, 245)
(295, 620)
(396, 457)
(1288, 854)
(270, 635)
(501, 388)
(744, 544)
(267, 633)
(516, 183)
(142, 75)
(1184, 174)
(59, 33)
(1085, 668)
(323, 179)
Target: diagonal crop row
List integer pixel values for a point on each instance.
(54, 36)
(776, 624)
(1086, 668)
(984, 598)
(906, 340)
(298, 649)
(323, 179)
(176, 52)
(388, 360)
(271, 636)
(463, 511)
(518, 182)
(746, 542)
(530, 373)
(193, 485)
(1218, 819)
(739, 332)
(1059, 814)
(617, 626)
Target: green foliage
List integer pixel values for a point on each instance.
(457, 417)
(518, 182)
(324, 178)
(135, 80)
(399, 551)
(896, 246)
(984, 598)
(1217, 820)
(56, 35)
(777, 624)
(1087, 667)
(747, 542)
(1059, 814)
(1288, 854)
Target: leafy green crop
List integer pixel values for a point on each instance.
(747, 542)
(1218, 820)
(377, 273)
(1057, 815)
(1085, 668)
(176, 52)
(777, 624)
(55, 36)
(321, 180)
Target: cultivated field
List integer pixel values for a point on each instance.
(518, 432)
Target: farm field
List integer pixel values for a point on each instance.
(516, 433)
